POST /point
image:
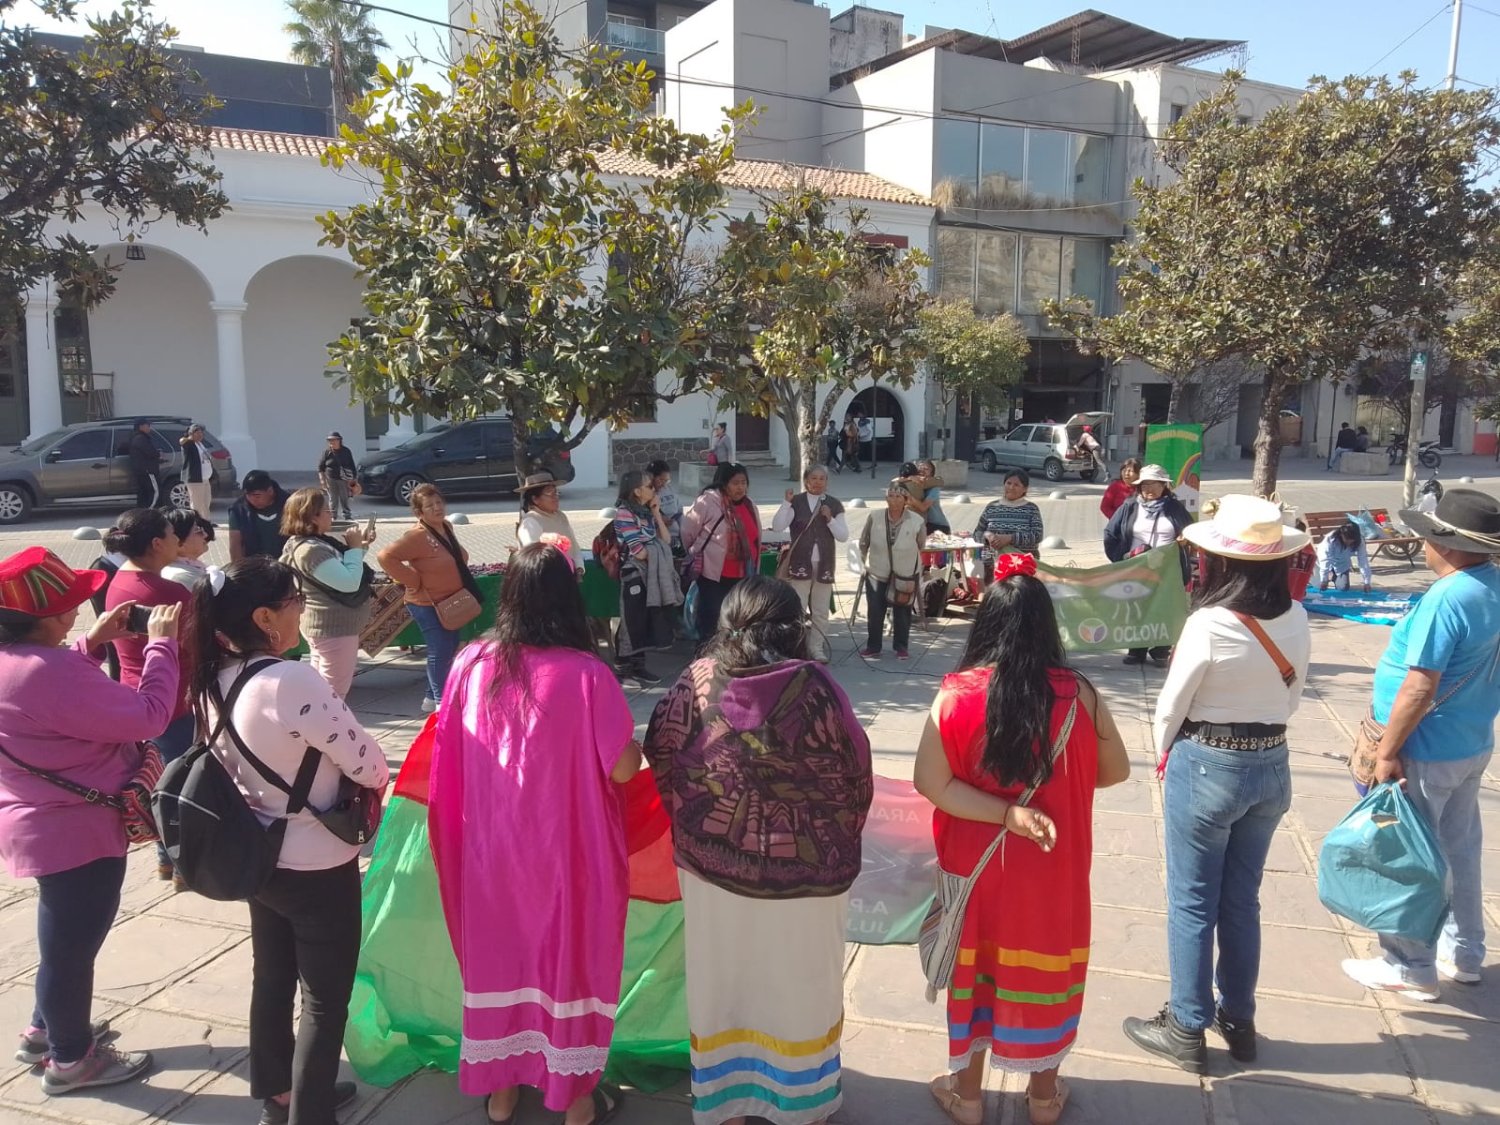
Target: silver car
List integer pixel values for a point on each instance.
(86, 464)
(1048, 447)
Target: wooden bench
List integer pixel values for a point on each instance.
(1401, 547)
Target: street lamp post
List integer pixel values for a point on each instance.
(1414, 426)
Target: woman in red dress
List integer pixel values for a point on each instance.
(1014, 715)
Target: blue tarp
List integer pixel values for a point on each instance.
(1373, 608)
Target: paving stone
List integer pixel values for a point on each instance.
(1293, 900)
(185, 1054)
(886, 1072)
(1249, 1101)
(886, 983)
(1306, 963)
(1129, 939)
(1340, 1046)
(1120, 880)
(1454, 1056)
(1137, 797)
(218, 991)
(136, 962)
(1107, 1091)
(1127, 835)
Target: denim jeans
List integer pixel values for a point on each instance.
(75, 909)
(1447, 795)
(1222, 807)
(442, 647)
(304, 928)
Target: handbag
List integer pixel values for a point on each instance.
(1381, 868)
(459, 608)
(784, 560)
(133, 803)
(942, 929)
(1365, 754)
(903, 588)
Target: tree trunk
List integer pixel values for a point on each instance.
(1174, 401)
(1268, 436)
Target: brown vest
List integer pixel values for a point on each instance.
(821, 537)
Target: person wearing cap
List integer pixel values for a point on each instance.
(145, 465)
(197, 469)
(60, 714)
(255, 518)
(1152, 518)
(1220, 731)
(542, 514)
(338, 475)
(1437, 693)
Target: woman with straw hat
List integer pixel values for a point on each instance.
(542, 514)
(1220, 727)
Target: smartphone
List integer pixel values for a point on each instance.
(370, 528)
(138, 618)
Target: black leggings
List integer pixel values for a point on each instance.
(75, 910)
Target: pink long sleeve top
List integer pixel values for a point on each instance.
(61, 713)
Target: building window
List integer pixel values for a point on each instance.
(990, 166)
(997, 273)
(956, 179)
(1178, 109)
(1003, 272)
(955, 263)
(1002, 166)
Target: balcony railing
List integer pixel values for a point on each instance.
(634, 38)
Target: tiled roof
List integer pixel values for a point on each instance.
(753, 174)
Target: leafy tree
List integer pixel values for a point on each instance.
(502, 271)
(1386, 378)
(340, 37)
(821, 307)
(973, 357)
(113, 126)
(1342, 223)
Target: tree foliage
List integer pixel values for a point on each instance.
(502, 271)
(821, 306)
(972, 357)
(1348, 221)
(340, 37)
(114, 126)
(1386, 378)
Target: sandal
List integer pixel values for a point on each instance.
(493, 1120)
(1046, 1111)
(965, 1111)
(607, 1103)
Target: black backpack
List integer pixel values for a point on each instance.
(208, 828)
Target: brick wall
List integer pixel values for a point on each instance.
(636, 453)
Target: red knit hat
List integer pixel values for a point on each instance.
(37, 583)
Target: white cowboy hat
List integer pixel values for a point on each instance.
(1247, 527)
(1153, 472)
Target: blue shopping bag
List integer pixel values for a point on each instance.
(690, 613)
(1381, 867)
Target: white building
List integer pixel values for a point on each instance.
(232, 327)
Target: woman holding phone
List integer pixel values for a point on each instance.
(333, 574)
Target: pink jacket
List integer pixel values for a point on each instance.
(706, 528)
(59, 712)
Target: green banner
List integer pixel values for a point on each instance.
(1178, 448)
(1137, 603)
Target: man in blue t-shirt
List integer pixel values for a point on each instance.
(1437, 690)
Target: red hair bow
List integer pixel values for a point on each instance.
(1014, 563)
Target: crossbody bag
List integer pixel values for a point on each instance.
(133, 803)
(903, 587)
(462, 606)
(942, 929)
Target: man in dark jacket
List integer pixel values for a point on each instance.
(145, 465)
(255, 518)
(336, 473)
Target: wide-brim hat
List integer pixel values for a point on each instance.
(535, 481)
(1465, 520)
(1247, 527)
(1153, 472)
(36, 583)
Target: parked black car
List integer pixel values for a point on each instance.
(463, 457)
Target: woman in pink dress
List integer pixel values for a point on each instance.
(532, 742)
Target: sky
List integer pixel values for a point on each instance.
(1289, 40)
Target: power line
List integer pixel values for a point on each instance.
(1409, 38)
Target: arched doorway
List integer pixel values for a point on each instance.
(885, 410)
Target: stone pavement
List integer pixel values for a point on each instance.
(175, 973)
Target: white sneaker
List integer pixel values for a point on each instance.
(1379, 975)
(1449, 970)
(429, 706)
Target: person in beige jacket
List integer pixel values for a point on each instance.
(422, 562)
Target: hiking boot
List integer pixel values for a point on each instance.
(273, 1112)
(102, 1066)
(1163, 1035)
(35, 1047)
(1238, 1035)
(641, 675)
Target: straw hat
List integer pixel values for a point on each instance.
(1153, 472)
(1465, 520)
(535, 481)
(36, 583)
(1247, 527)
